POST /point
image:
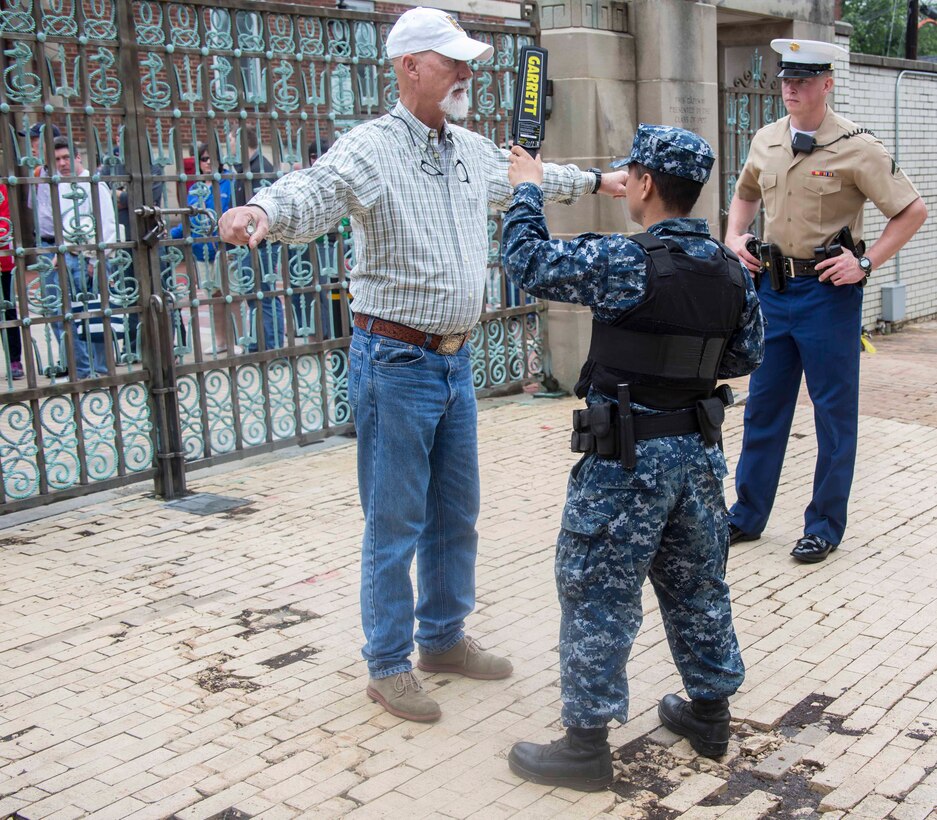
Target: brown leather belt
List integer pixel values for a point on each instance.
(447, 345)
(799, 267)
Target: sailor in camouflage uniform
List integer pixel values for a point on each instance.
(672, 311)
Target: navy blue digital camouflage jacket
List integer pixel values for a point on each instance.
(608, 273)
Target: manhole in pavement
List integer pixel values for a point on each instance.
(260, 620)
(207, 503)
(279, 661)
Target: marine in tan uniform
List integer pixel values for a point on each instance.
(814, 170)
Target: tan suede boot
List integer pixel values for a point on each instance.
(402, 695)
(466, 658)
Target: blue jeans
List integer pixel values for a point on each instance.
(80, 283)
(416, 419)
(271, 306)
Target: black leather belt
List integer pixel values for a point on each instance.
(799, 267)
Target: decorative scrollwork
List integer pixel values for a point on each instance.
(105, 88)
(99, 21)
(99, 431)
(219, 408)
(281, 34)
(17, 17)
(149, 25)
(311, 40)
(18, 451)
(252, 404)
(183, 26)
(157, 93)
(337, 387)
(58, 20)
(309, 379)
(282, 399)
(136, 427)
(190, 417)
(21, 86)
(60, 442)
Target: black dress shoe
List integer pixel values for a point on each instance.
(705, 723)
(579, 760)
(811, 549)
(736, 535)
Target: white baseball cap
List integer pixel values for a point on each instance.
(423, 29)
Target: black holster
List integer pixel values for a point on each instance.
(711, 413)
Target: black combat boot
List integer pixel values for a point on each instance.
(580, 760)
(705, 723)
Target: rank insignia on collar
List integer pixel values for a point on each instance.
(822, 174)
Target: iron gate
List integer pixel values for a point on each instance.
(182, 352)
(749, 101)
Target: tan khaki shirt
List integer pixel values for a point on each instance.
(810, 197)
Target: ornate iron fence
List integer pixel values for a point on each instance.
(144, 347)
(749, 102)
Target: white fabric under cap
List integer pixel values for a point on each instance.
(808, 53)
(423, 29)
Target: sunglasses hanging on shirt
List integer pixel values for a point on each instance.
(427, 167)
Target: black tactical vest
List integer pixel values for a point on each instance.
(668, 347)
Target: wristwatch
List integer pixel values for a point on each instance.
(865, 265)
(598, 178)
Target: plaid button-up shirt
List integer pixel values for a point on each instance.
(419, 211)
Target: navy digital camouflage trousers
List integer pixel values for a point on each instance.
(665, 519)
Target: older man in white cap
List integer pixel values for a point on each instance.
(417, 190)
(814, 170)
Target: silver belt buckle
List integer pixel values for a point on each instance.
(451, 344)
(789, 264)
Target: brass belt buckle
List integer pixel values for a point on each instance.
(451, 344)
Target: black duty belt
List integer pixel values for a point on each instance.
(611, 430)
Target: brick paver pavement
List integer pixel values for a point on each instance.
(157, 663)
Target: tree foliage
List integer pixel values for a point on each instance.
(879, 27)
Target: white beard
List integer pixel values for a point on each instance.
(456, 108)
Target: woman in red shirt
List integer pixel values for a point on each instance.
(11, 336)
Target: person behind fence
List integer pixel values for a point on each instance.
(672, 311)
(84, 283)
(201, 195)
(114, 165)
(418, 190)
(11, 337)
(814, 170)
(274, 330)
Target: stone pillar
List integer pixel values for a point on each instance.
(592, 123)
(678, 82)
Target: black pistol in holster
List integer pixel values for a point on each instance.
(626, 444)
(842, 240)
(755, 247)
